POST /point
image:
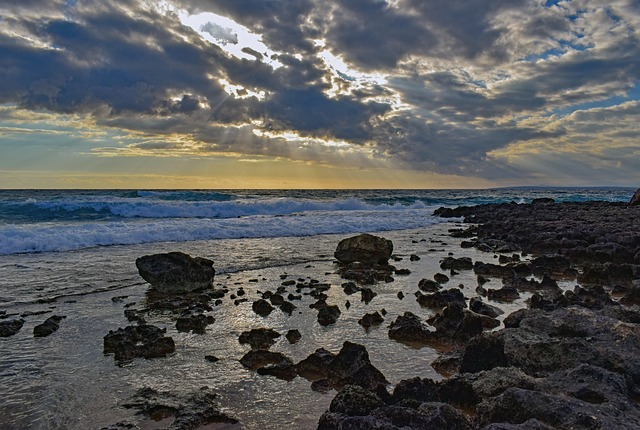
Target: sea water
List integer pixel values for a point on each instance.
(72, 253)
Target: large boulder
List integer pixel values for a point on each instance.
(176, 272)
(365, 248)
(635, 200)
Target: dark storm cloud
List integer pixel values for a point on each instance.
(374, 35)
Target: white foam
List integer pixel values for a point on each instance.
(150, 208)
(46, 237)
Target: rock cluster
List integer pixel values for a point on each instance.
(571, 360)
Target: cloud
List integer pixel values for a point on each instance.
(225, 35)
(455, 87)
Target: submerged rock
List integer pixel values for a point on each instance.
(49, 326)
(196, 410)
(145, 341)
(11, 327)
(176, 272)
(365, 248)
(259, 338)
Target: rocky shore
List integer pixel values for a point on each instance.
(570, 360)
(522, 316)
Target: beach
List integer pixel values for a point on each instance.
(66, 380)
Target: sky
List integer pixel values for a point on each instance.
(319, 93)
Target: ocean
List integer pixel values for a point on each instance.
(67, 220)
(72, 253)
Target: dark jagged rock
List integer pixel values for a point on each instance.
(49, 326)
(443, 298)
(328, 314)
(197, 323)
(507, 293)
(365, 248)
(479, 307)
(351, 366)
(287, 307)
(197, 410)
(456, 324)
(145, 341)
(176, 272)
(257, 358)
(414, 257)
(262, 307)
(355, 400)
(425, 416)
(635, 199)
(402, 272)
(409, 328)
(259, 338)
(314, 367)
(463, 263)
(11, 327)
(429, 286)
(367, 294)
(350, 288)
(211, 358)
(371, 319)
(441, 278)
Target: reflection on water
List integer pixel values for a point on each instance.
(65, 380)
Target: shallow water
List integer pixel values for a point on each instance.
(65, 380)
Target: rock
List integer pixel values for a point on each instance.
(414, 257)
(425, 416)
(197, 323)
(440, 299)
(365, 248)
(367, 294)
(176, 272)
(402, 272)
(145, 341)
(315, 366)
(196, 410)
(11, 327)
(257, 358)
(351, 366)
(441, 278)
(259, 338)
(479, 307)
(328, 314)
(262, 307)
(428, 285)
(507, 293)
(355, 400)
(463, 263)
(543, 201)
(293, 336)
(635, 199)
(287, 307)
(409, 328)
(371, 319)
(211, 358)
(483, 353)
(50, 325)
(457, 324)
